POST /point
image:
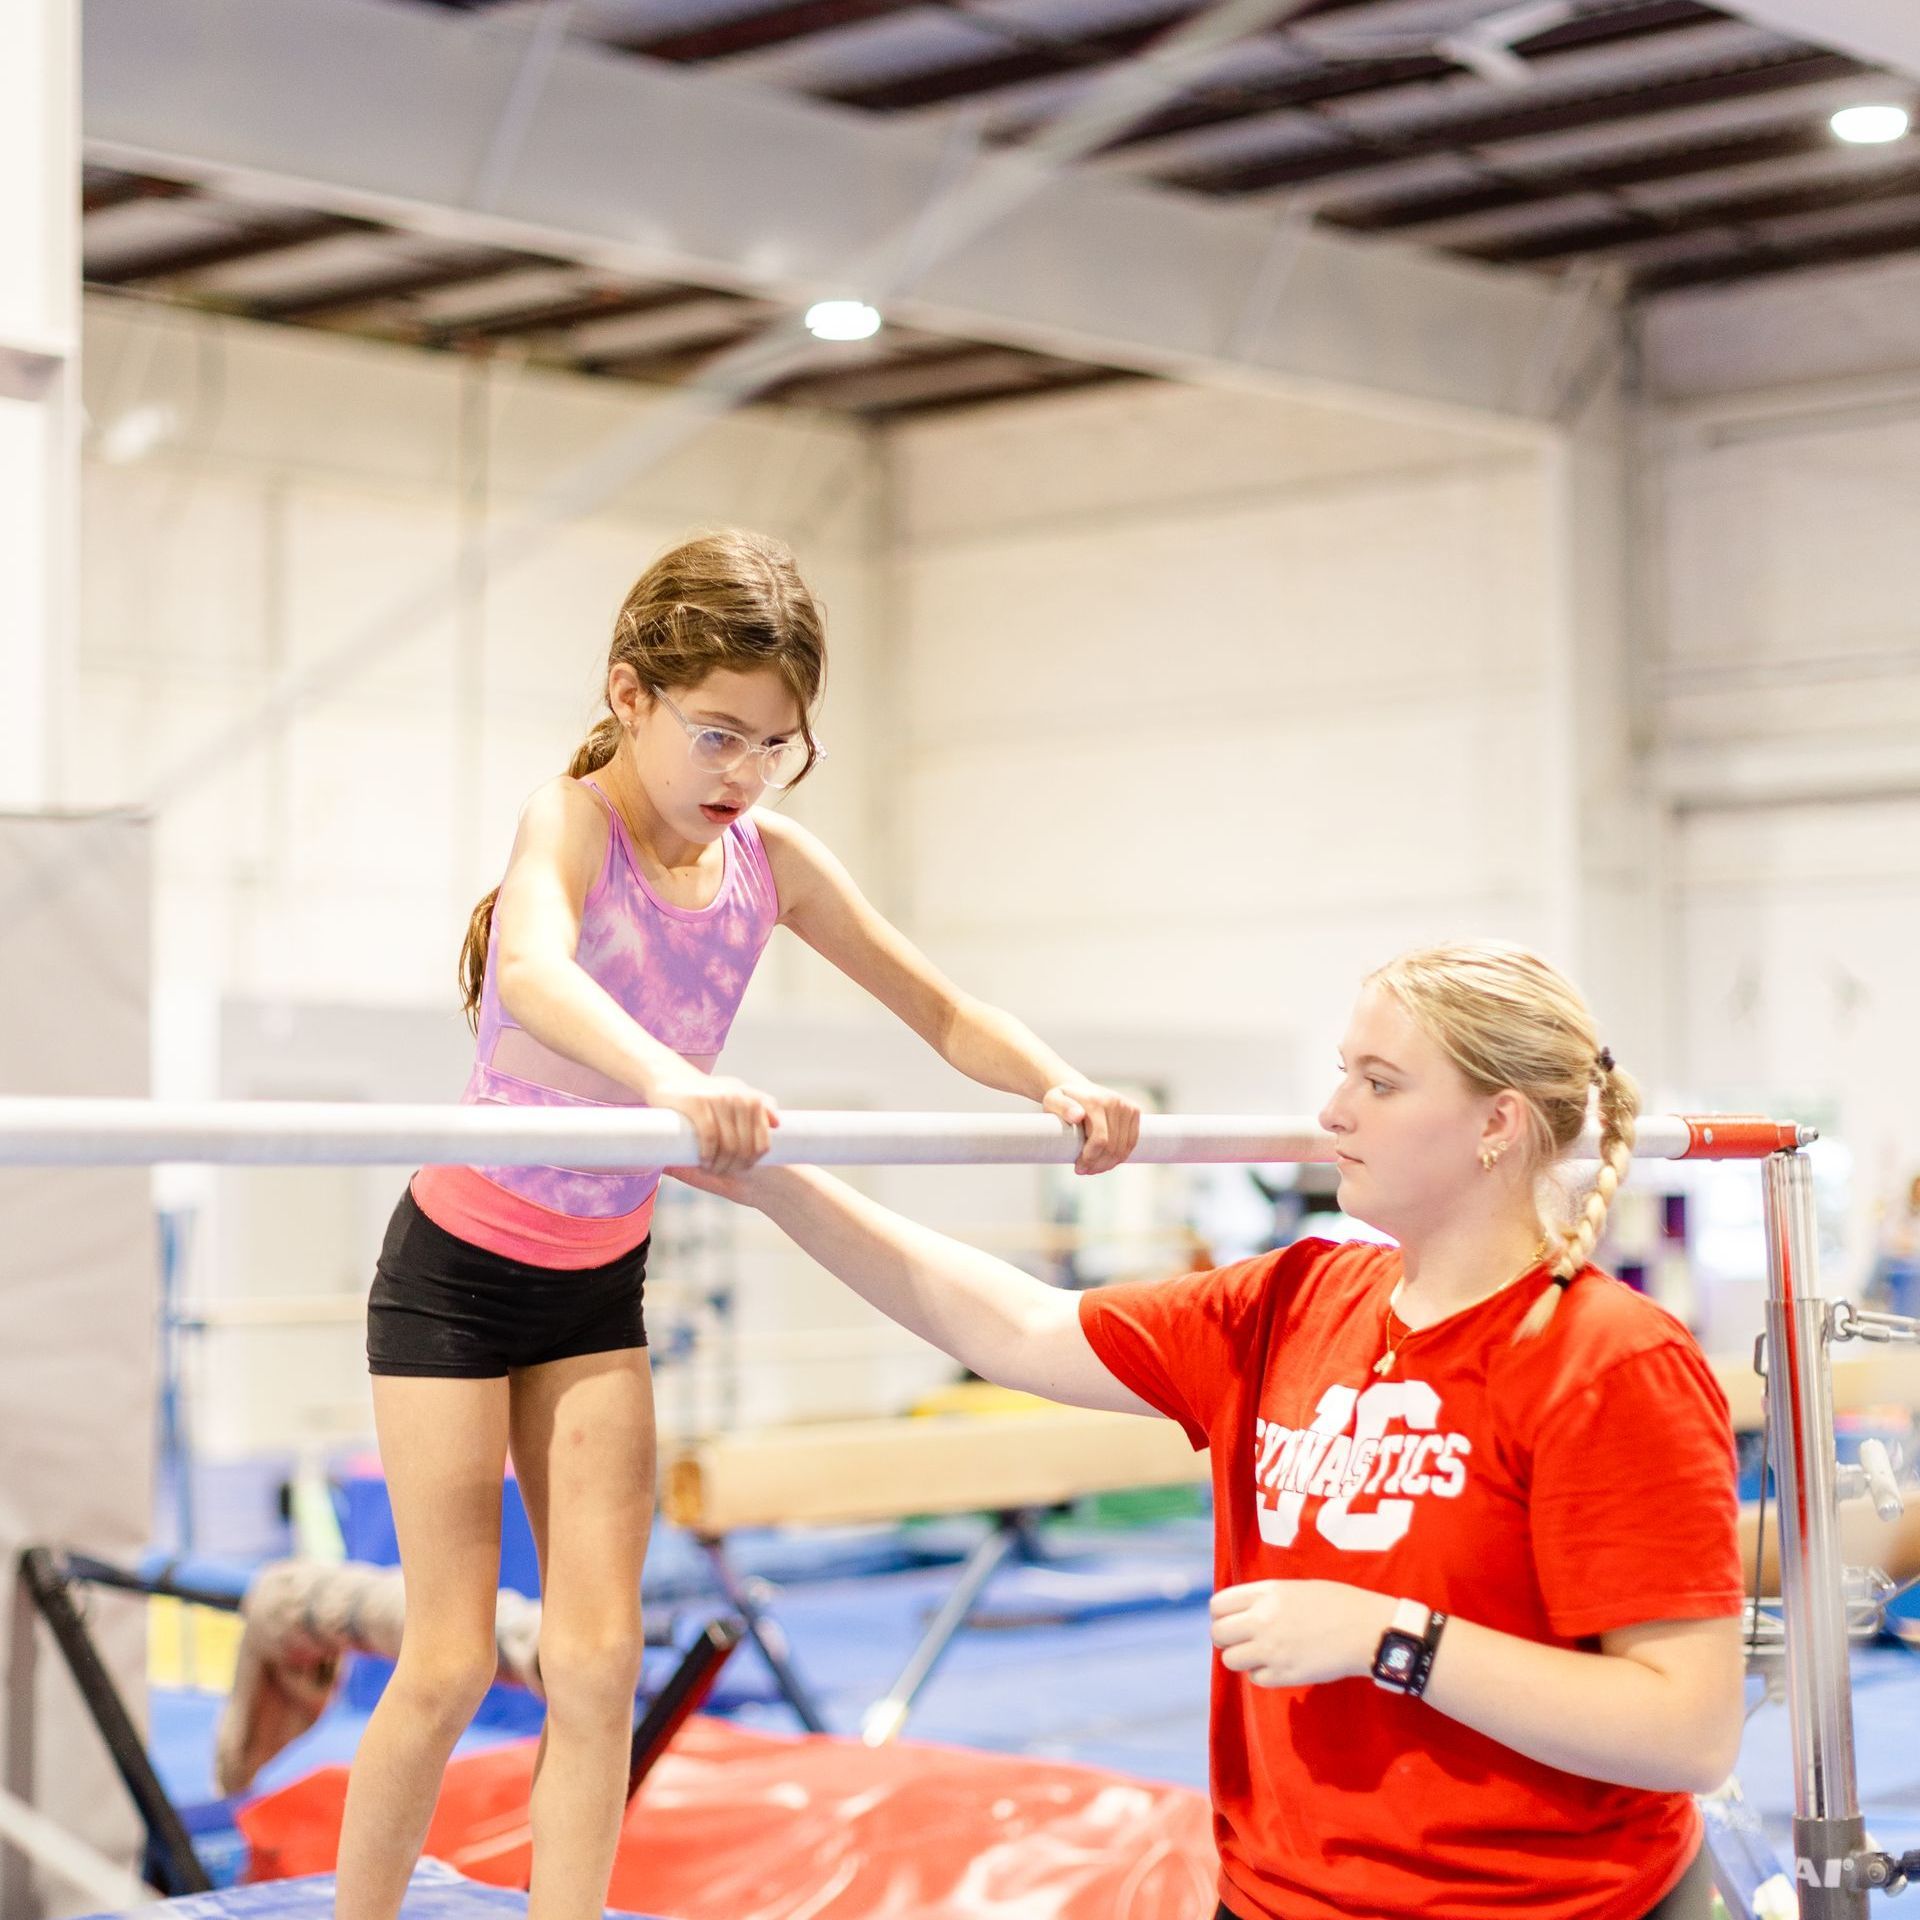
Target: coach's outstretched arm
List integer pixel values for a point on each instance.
(1658, 1706)
(995, 1320)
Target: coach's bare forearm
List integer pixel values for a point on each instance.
(1605, 1716)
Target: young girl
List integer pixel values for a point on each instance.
(1478, 1596)
(506, 1310)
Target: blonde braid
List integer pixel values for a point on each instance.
(1618, 1106)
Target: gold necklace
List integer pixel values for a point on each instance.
(1384, 1365)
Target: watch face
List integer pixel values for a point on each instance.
(1396, 1658)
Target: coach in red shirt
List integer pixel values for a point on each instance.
(1478, 1584)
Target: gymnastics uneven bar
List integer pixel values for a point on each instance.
(99, 1133)
(1834, 1865)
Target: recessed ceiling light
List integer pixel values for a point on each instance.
(1871, 126)
(842, 320)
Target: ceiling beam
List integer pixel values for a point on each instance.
(802, 19)
(249, 242)
(1063, 380)
(670, 328)
(110, 190)
(1525, 183)
(603, 303)
(657, 174)
(1034, 56)
(667, 366)
(1043, 57)
(754, 32)
(1635, 226)
(376, 289)
(1351, 81)
(913, 377)
(1762, 257)
(1491, 126)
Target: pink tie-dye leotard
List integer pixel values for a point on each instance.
(680, 973)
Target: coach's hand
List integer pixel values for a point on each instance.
(1296, 1633)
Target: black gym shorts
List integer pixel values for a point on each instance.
(442, 1308)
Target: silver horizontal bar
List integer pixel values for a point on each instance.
(86, 1132)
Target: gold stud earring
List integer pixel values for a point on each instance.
(1490, 1158)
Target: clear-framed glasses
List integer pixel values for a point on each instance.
(720, 749)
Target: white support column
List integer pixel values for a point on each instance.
(78, 1273)
(39, 388)
(1608, 826)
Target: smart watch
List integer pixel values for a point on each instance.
(1404, 1658)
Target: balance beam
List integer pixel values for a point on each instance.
(849, 1472)
(1865, 1378)
(846, 1473)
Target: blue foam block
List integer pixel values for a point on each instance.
(366, 1527)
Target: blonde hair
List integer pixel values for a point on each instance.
(1511, 1023)
(724, 602)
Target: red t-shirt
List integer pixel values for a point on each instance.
(1577, 1481)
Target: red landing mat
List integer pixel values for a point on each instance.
(736, 1825)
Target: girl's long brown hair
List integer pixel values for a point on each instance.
(724, 602)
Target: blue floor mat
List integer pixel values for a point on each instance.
(435, 1892)
(1886, 1733)
(1118, 1688)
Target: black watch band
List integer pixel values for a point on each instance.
(1404, 1658)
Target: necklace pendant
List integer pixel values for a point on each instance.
(1384, 1365)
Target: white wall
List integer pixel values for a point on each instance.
(1209, 704)
(301, 487)
(1783, 483)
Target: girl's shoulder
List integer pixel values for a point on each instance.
(568, 806)
(785, 840)
(798, 860)
(567, 822)
(565, 799)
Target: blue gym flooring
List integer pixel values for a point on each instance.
(1122, 1687)
(434, 1893)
